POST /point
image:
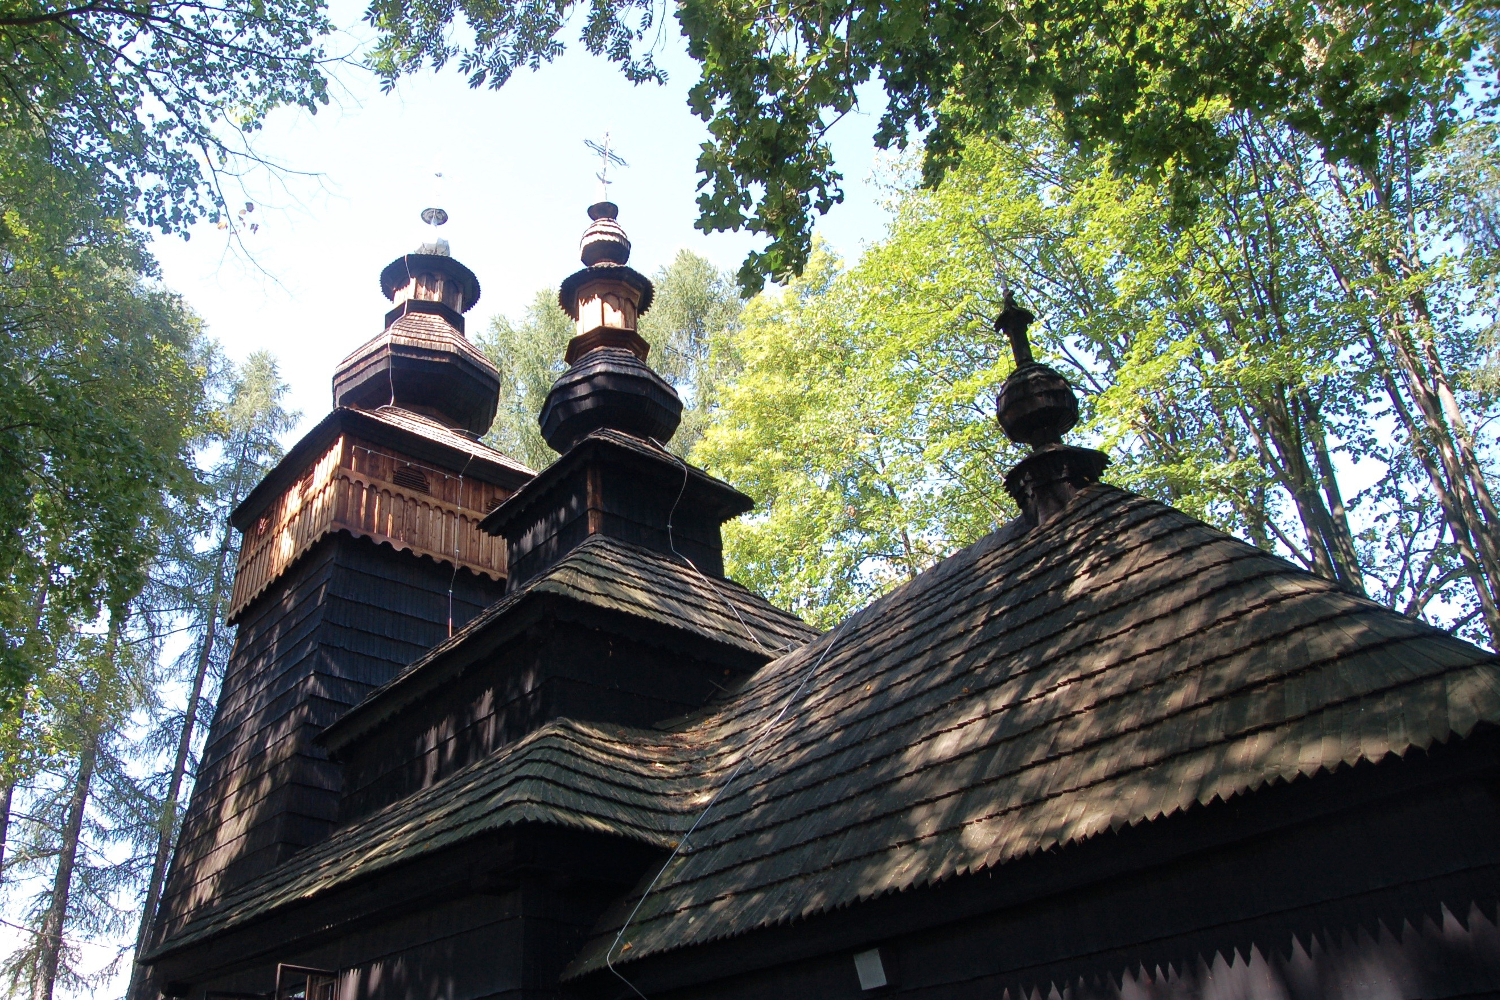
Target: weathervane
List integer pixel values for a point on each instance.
(607, 156)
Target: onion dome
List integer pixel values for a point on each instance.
(422, 362)
(609, 384)
(609, 387)
(605, 241)
(1036, 406)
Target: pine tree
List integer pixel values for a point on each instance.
(88, 695)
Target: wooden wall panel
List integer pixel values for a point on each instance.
(372, 492)
(342, 621)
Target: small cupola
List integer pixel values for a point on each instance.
(1036, 406)
(608, 383)
(610, 416)
(422, 362)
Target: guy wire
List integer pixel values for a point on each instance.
(390, 369)
(609, 956)
(673, 546)
(833, 640)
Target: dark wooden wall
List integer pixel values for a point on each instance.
(629, 500)
(496, 919)
(1369, 892)
(1377, 883)
(546, 670)
(343, 620)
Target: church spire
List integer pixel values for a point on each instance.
(609, 416)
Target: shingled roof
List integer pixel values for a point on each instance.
(612, 575)
(587, 776)
(1114, 666)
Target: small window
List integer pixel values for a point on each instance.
(304, 484)
(494, 502)
(297, 982)
(262, 525)
(412, 479)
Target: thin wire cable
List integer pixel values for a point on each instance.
(609, 956)
(673, 546)
(458, 523)
(390, 367)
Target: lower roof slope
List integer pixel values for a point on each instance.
(588, 776)
(1114, 666)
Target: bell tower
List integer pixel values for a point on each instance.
(359, 551)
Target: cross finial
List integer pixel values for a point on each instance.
(607, 156)
(1013, 323)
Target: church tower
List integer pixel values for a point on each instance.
(360, 551)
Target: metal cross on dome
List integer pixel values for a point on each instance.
(607, 156)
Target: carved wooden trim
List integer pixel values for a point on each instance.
(350, 488)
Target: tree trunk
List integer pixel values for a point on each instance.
(1342, 536)
(1440, 437)
(1272, 425)
(1431, 442)
(7, 794)
(51, 935)
(5, 797)
(1486, 581)
(167, 831)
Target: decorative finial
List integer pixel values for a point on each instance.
(434, 217)
(1013, 322)
(604, 241)
(428, 279)
(607, 156)
(1036, 406)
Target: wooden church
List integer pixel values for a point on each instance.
(494, 733)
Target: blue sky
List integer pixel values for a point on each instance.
(517, 178)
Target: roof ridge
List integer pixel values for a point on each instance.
(734, 588)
